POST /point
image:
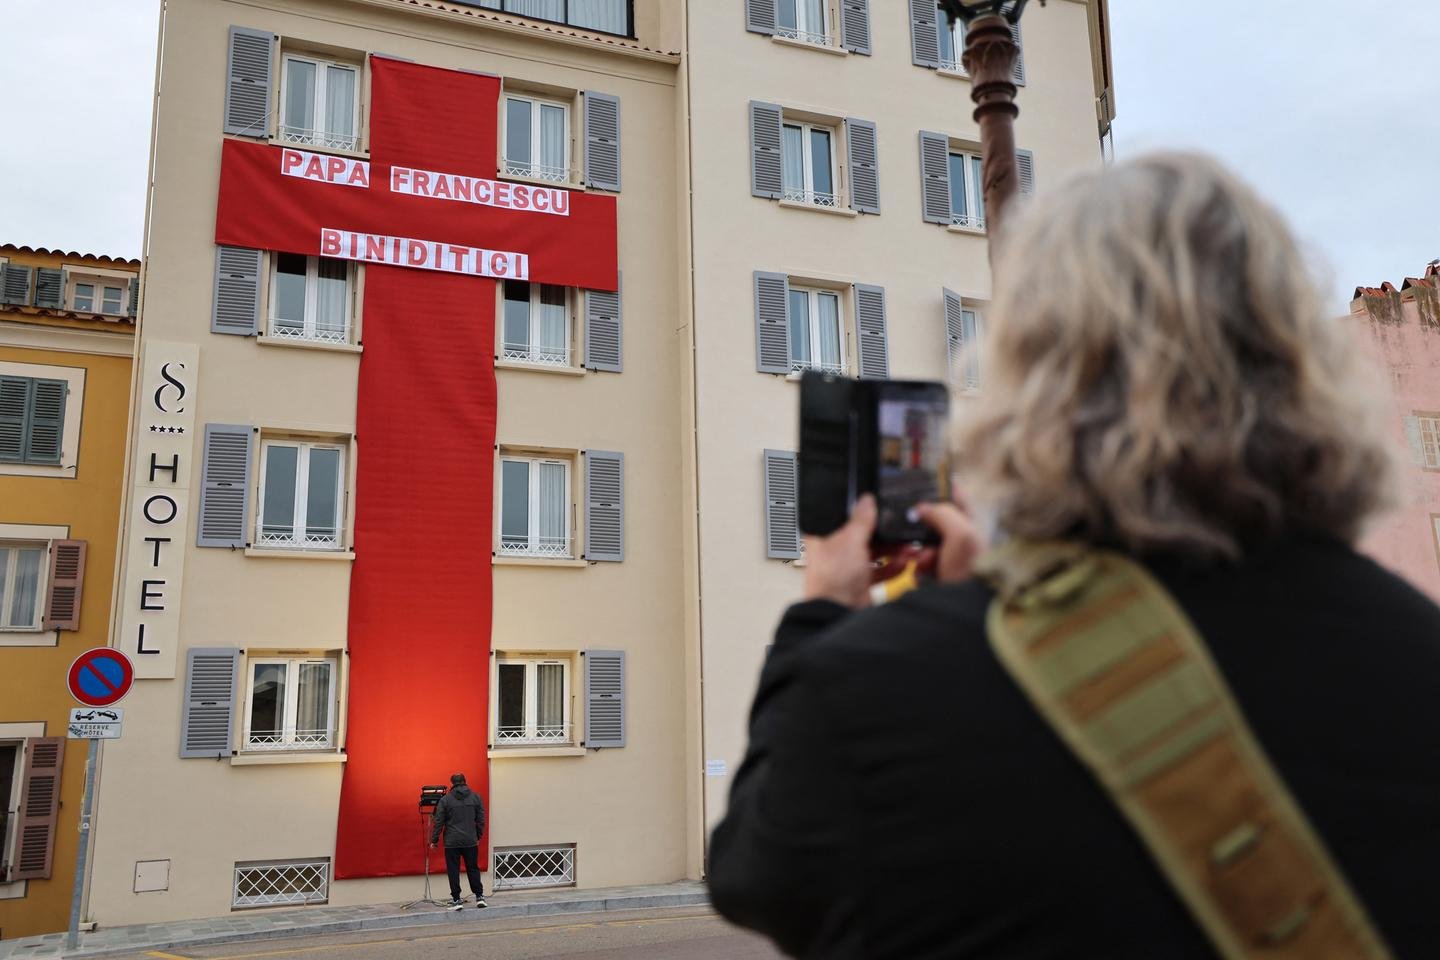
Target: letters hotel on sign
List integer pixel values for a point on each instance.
(160, 504)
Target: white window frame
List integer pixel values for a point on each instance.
(973, 187)
(807, 161)
(564, 550)
(812, 301)
(1429, 427)
(528, 352)
(970, 375)
(290, 738)
(99, 280)
(535, 170)
(7, 585)
(302, 490)
(12, 806)
(318, 138)
(804, 31)
(531, 734)
(956, 31)
(309, 332)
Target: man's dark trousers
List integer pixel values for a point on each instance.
(471, 856)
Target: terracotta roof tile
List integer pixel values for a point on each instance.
(69, 254)
(540, 26)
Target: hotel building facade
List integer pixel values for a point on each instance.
(427, 475)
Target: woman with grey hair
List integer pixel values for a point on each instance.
(1160, 382)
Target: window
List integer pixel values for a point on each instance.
(518, 868)
(967, 192)
(91, 297)
(816, 334)
(536, 324)
(10, 774)
(22, 575)
(534, 507)
(537, 139)
(802, 20)
(602, 16)
(809, 157)
(290, 704)
(970, 358)
(286, 882)
(310, 299)
(532, 701)
(952, 43)
(33, 427)
(301, 494)
(1430, 440)
(319, 103)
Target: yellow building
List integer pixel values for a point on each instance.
(67, 333)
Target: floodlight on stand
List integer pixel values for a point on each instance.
(968, 10)
(430, 796)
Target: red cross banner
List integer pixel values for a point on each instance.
(436, 229)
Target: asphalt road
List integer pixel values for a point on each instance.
(679, 933)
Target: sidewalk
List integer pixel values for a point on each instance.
(278, 923)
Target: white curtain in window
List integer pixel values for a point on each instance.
(340, 101)
(829, 329)
(794, 157)
(299, 95)
(550, 697)
(606, 15)
(552, 140)
(27, 587)
(312, 714)
(550, 334)
(553, 498)
(815, 16)
(544, 9)
(330, 296)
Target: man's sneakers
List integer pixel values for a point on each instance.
(454, 903)
(480, 903)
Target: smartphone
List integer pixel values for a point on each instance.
(912, 461)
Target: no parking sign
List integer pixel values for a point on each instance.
(101, 677)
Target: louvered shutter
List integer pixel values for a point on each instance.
(861, 145)
(760, 16)
(1017, 73)
(767, 177)
(772, 325)
(925, 33)
(134, 297)
(1412, 437)
(15, 284)
(602, 141)
(782, 505)
(954, 333)
(247, 91)
(237, 291)
(14, 405)
(50, 288)
(935, 177)
(604, 698)
(604, 505)
(211, 676)
(39, 809)
(1025, 166)
(855, 26)
(873, 338)
(67, 579)
(45, 430)
(604, 342)
(225, 486)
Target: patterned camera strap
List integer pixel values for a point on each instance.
(1115, 666)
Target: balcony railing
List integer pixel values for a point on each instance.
(799, 366)
(538, 171)
(953, 66)
(544, 733)
(812, 198)
(319, 138)
(536, 354)
(286, 330)
(287, 539)
(968, 222)
(279, 740)
(534, 547)
(805, 36)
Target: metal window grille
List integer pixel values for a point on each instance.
(544, 733)
(287, 882)
(525, 867)
(805, 36)
(1430, 439)
(812, 198)
(515, 546)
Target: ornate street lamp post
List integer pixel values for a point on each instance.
(990, 54)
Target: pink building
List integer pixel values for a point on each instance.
(1403, 327)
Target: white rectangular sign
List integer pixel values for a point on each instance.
(95, 723)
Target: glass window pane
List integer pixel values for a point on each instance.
(958, 206)
(111, 302)
(610, 16)
(553, 499)
(517, 314)
(340, 102)
(299, 95)
(814, 17)
(322, 497)
(948, 54)
(517, 131)
(552, 330)
(550, 700)
(6, 555)
(970, 330)
(85, 296)
(312, 714)
(793, 155)
(267, 702)
(331, 299)
(510, 699)
(515, 502)
(977, 185)
(552, 143)
(829, 305)
(278, 516)
(820, 162)
(785, 14)
(25, 602)
(799, 327)
(287, 302)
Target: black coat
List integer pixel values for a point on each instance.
(461, 815)
(900, 797)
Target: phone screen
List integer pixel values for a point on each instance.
(914, 457)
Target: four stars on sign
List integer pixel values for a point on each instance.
(159, 429)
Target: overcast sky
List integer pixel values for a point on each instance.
(1330, 107)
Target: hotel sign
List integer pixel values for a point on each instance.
(159, 508)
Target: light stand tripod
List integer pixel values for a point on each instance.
(429, 797)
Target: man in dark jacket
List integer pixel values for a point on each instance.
(460, 815)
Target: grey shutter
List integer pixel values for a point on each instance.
(772, 322)
(873, 338)
(604, 341)
(760, 16)
(1025, 166)
(50, 288)
(15, 284)
(247, 89)
(604, 505)
(954, 333)
(237, 291)
(782, 505)
(934, 177)
(604, 698)
(39, 811)
(1412, 437)
(134, 310)
(864, 165)
(45, 429)
(225, 486)
(211, 676)
(14, 412)
(925, 33)
(855, 26)
(1017, 73)
(602, 141)
(767, 177)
